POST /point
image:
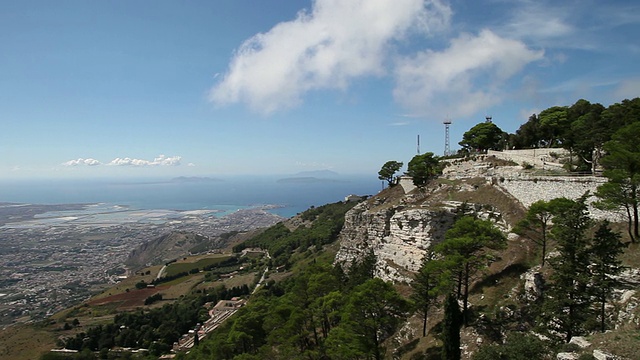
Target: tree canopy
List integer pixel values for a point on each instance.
(424, 167)
(622, 167)
(482, 137)
(388, 171)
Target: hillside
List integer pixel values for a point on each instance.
(399, 228)
(319, 272)
(387, 236)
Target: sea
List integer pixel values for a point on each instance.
(288, 196)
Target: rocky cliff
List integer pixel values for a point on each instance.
(397, 235)
(400, 228)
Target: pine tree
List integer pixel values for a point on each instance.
(465, 248)
(536, 224)
(566, 307)
(451, 329)
(429, 282)
(605, 251)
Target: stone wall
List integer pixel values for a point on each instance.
(539, 158)
(407, 184)
(529, 189)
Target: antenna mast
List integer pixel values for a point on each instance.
(447, 148)
(418, 144)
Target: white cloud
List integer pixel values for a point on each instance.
(541, 22)
(462, 79)
(161, 160)
(82, 161)
(325, 48)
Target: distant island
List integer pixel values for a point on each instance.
(308, 180)
(317, 174)
(194, 179)
(309, 177)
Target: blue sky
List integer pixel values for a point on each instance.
(213, 88)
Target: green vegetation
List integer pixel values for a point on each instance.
(202, 264)
(536, 225)
(317, 312)
(388, 171)
(482, 137)
(517, 346)
(622, 167)
(154, 329)
(451, 329)
(327, 221)
(424, 167)
(582, 128)
(464, 250)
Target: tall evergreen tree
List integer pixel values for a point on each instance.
(465, 246)
(373, 312)
(429, 282)
(622, 167)
(536, 225)
(451, 329)
(566, 307)
(605, 252)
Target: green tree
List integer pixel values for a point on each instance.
(427, 285)
(518, 346)
(566, 307)
(536, 224)
(466, 243)
(528, 135)
(424, 167)
(553, 125)
(373, 313)
(588, 133)
(451, 329)
(622, 168)
(617, 194)
(482, 137)
(388, 171)
(605, 252)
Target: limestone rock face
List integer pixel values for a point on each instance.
(567, 356)
(398, 236)
(533, 284)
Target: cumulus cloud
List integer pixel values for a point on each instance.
(463, 78)
(325, 48)
(161, 160)
(82, 161)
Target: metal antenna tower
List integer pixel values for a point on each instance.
(447, 148)
(418, 144)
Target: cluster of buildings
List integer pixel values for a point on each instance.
(50, 264)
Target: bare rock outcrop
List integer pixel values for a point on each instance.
(398, 236)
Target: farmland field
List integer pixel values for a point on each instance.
(179, 267)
